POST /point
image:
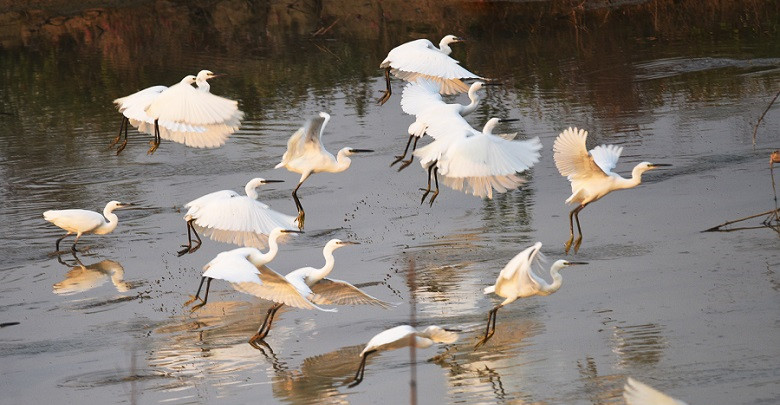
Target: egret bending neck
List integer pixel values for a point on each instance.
(323, 271)
(557, 280)
(109, 226)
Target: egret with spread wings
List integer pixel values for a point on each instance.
(591, 173)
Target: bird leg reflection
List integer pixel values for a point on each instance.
(197, 294)
(406, 149)
(188, 248)
(411, 156)
(388, 92)
(301, 214)
(156, 141)
(361, 370)
(266, 326)
(574, 214)
(432, 169)
(489, 331)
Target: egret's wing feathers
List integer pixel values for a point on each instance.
(183, 103)
(606, 156)
(240, 220)
(520, 268)
(336, 292)
(637, 393)
(231, 267)
(419, 96)
(278, 289)
(74, 219)
(416, 59)
(571, 156)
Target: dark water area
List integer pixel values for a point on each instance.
(694, 314)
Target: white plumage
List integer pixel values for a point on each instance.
(399, 337)
(637, 393)
(421, 59)
(83, 221)
(517, 280)
(590, 174)
(226, 216)
(81, 278)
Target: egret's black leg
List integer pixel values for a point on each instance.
(435, 178)
(118, 137)
(124, 143)
(406, 149)
(156, 141)
(197, 294)
(387, 92)
(188, 248)
(205, 296)
(428, 190)
(411, 156)
(266, 326)
(57, 245)
(489, 331)
(568, 243)
(361, 369)
(301, 214)
(578, 241)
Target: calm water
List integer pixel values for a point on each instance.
(695, 314)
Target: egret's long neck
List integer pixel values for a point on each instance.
(323, 271)
(444, 47)
(471, 107)
(557, 280)
(203, 85)
(251, 191)
(342, 162)
(635, 180)
(273, 248)
(109, 226)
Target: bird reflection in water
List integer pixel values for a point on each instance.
(82, 277)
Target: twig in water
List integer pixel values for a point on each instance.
(755, 129)
(717, 228)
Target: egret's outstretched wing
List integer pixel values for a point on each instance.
(183, 103)
(420, 58)
(202, 201)
(571, 156)
(637, 393)
(74, 218)
(606, 156)
(419, 96)
(240, 220)
(133, 106)
(305, 138)
(389, 339)
(233, 267)
(520, 268)
(336, 292)
(276, 288)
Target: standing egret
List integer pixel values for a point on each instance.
(183, 107)
(306, 155)
(591, 173)
(637, 393)
(229, 217)
(84, 221)
(399, 337)
(422, 100)
(476, 162)
(307, 288)
(517, 280)
(421, 59)
(238, 266)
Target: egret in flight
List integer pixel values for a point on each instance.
(238, 266)
(637, 393)
(84, 221)
(423, 100)
(306, 155)
(517, 280)
(473, 161)
(421, 59)
(229, 217)
(399, 337)
(591, 173)
(307, 288)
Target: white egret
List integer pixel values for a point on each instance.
(306, 155)
(422, 100)
(476, 162)
(517, 280)
(183, 107)
(84, 221)
(591, 173)
(307, 288)
(421, 59)
(238, 266)
(637, 393)
(226, 216)
(399, 337)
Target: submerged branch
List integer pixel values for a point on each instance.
(755, 129)
(771, 213)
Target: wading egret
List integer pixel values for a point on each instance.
(422, 100)
(184, 107)
(591, 173)
(399, 337)
(84, 221)
(306, 155)
(238, 266)
(636, 393)
(517, 280)
(226, 216)
(476, 162)
(421, 59)
(307, 288)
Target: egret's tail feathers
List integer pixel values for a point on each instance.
(489, 290)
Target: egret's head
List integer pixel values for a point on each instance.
(114, 205)
(441, 335)
(206, 75)
(259, 181)
(449, 39)
(189, 79)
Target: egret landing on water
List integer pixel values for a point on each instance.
(517, 280)
(421, 59)
(229, 217)
(84, 221)
(307, 288)
(399, 337)
(306, 155)
(591, 173)
(636, 393)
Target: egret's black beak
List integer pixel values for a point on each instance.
(290, 231)
(273, 181)
(573, 263)
(660, 165)
(494, 84)
(508, 119)
(460, 39)
(362, 150)
(216, 75)
(348, 242)
(453, 330)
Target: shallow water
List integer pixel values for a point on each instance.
(695, 314)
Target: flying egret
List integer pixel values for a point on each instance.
(238, 266)
(591, 173)
(517, 280)
(306, 155)
(83, 221)
(183, 107)
(473, 161)
(423, 100)
(421, 59)
(399, 337)
(637, 393)
(307, 288)
(229, 217)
